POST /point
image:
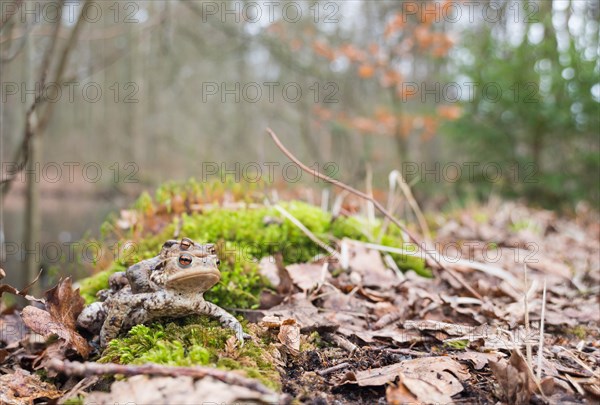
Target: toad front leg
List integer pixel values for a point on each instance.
(188, 304)
(224, 317)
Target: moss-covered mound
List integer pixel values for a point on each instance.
(243, 235)
(196, 340)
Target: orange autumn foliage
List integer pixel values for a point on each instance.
(366, 71)
(449, 112)
(323, 49)
(353, 53)
(404, 36)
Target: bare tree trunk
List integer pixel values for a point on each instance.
(32, 218)
(134, 79)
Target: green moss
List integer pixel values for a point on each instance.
(77, 400)
(196, 340)
(88, 287)
(243, 236)
(460, 344)
(579, 331)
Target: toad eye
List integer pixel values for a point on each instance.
(218, 262)
(185, 260)
(185, 244)
(211, 249)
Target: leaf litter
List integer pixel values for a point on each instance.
(353, 329)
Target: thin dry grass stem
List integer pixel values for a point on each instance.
(527, 331)
(325, 199)
(307, 231)
(483, 267)
(390, 206)
(515, 348)
(377, 205)
(336, 208)
(540, 356)
(404, 187)
(532, 375)
(577, 360)
(369, 188)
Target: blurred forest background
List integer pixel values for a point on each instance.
(467, 99)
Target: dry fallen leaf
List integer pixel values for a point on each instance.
(270, 322)
(289, 336)
(299, 307)
(398, 336)
(176, 390)
(305, 275)
(479, 360)
(426, 391)
(268, 268)
(12, 330)
(368, 264)
(441, 372)
(397, 395)
(514, 380)
(63, 305)
(430, 325)
(5, 288)
(21, 387)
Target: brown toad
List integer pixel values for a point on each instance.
(176, 286)
(137, 275)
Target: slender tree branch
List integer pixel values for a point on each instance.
(32, 125)
(63, 63)
(377, 205)
(8, 16)
(90, 368)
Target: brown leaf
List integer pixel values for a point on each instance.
(368, 264)
(289, 336)
(513, 377)
(63, 305)
(24, 388)
(268, 268)
(479, 360)
(398, 336)
(306, 275)
(270, 322)
(440, 372)
(426, 391)
(434, 326)
(397, 395)
(12, 329)
(297, 306)
(231, 348)
(5, 288)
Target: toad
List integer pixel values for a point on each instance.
(175, 288)
(137, 275)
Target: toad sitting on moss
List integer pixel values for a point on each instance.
(137, 275)
(173, 287)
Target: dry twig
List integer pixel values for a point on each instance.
(306, 231)
(90, 368)
(527, 331)
(377, 205)
(340, 342)
(541, 344)
(404, 187)
(333, 369)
